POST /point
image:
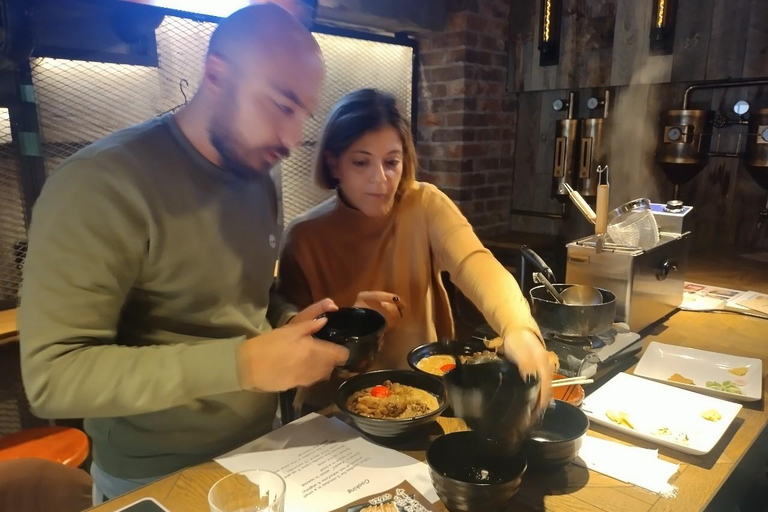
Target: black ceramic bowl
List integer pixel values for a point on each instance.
(557, 440)
(494, 400)
(472, 473)
(466, 348)
(393, 427)
(361, 330)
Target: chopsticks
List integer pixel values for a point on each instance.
(573, 381)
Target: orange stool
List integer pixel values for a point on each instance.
(65, 445)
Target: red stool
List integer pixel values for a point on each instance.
(64, 445)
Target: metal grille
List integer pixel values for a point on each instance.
(80, 102)
(12, 225)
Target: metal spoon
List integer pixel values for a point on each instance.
(541, 279)
(581, 295)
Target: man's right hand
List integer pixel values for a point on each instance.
(288, 357)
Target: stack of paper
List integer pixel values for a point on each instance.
(327, 464)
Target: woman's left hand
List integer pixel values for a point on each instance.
(526, 350)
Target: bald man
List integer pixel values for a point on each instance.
(147, 305)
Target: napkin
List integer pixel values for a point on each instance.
(630, 464)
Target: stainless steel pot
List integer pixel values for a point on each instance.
(567, 319)
(572, 320)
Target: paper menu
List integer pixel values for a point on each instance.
(401, 498)
(327, 464)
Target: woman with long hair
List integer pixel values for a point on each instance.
(383, 239)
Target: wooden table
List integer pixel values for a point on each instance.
(8, 329)
(575, 489)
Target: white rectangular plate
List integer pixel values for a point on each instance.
(651, 406)
(660, 361)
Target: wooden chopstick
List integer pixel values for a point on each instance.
(571, 382)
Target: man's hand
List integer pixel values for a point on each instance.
(388, 304)
(314, 311)
(524, 348)
(288, 357)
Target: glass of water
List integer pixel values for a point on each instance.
(248, 491)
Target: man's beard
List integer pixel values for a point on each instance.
(225, 143)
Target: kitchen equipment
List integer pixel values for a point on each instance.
(538, 277)
(648, 284)
(756, 153)
(584, 317)
(661, 361)
(586, 355)
(389, 428)
(633, 225)
(557, 440)
(361, 330)
(594, 147)
(566, 133)
(660, 414)
(572, 320)
(472, 473)
(601, 206)
(673, 217)
(493, 399)
(580, 295)
(581, 204)
(684, 138)
(466, 348)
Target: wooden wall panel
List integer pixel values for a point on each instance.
(692, 33)
(606, 41)
(728, 40)
(756, 56)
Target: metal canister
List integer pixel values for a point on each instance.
(594, 152)
(684, 138)
(756, 153)
(566, 138)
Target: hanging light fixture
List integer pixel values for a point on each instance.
(663, 27)
(549, 32)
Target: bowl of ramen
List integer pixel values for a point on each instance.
(472, 473)
(390, 403)
(361, 330)
(435, 358)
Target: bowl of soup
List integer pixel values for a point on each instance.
(437, 359)
(391, 403)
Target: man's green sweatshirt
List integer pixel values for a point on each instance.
(147, 266)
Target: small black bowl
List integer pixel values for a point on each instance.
(466, 348)
(556, 442)
(457, 463)
(494, 400)
(379, 427)
(361, 330)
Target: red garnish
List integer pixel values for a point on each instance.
(380, 392)
(447, 367)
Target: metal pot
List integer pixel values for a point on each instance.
(570, 320)
(566, 319)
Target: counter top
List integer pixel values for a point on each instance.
(575, 488)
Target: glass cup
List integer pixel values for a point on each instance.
(248, 491)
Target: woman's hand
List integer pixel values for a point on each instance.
(388, 304)
(526, 350)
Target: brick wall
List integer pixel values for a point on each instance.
(466, 118)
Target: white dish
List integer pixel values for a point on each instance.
(660, 361)
(651, 406)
